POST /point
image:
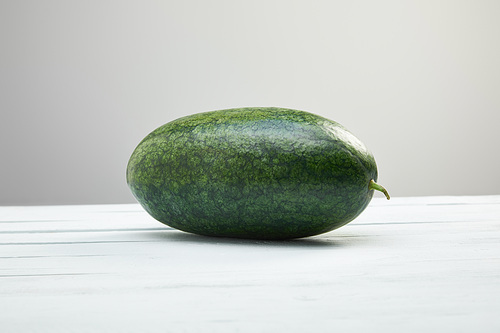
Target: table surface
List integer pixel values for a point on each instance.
(404, 265)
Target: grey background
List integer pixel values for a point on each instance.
(82, 82)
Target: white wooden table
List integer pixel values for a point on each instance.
(426, 264)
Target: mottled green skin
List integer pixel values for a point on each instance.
(261, 173)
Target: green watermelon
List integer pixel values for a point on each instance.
(257, 173)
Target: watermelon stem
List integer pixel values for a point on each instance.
(375, 186)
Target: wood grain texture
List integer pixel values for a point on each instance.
(409, 264)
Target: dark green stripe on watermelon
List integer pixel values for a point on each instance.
(262, 173)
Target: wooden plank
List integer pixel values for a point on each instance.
(409, 264)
